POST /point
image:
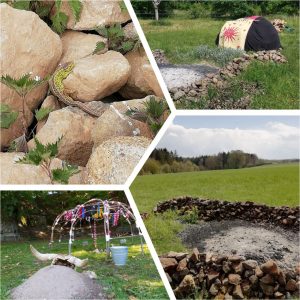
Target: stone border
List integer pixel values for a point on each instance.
(220, 78)
(228, 277)
(208, 210)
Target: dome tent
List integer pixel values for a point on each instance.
(249, 34)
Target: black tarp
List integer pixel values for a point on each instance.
(262, 35)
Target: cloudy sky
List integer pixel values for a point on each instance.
(270, 137)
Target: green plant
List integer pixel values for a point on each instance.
(153, 114)
(22, 86)
(42, 155)
(8, 116)
(190, 216)
(116, 39)
(198, 10)
(42, 113)
(221, 56)
(59, 19)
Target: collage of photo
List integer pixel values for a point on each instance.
(150, 149)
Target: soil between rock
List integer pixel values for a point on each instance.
(177, 76)
(259, 242)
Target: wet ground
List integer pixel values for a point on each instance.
(259, 242)
(177, 76)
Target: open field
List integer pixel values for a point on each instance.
(279, 83)
(138, 279)
(274, 185)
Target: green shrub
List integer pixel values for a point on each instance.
(166, 168)
(220, 56)
(198, 10)
(145, 9)
(151, 166)
(190, 216)
(231, 9)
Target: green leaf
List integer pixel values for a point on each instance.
(42, 113)
(21, 4)
(40, 153)
(103, 31)
(24, 84)
(76, 8)
(59, 22)
(43, 10)
(127, 46)
(63, 175)
(154, 108)
(8, 116)
(99, 47)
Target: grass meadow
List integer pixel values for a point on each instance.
(179, 37)
(139, 279)
(274, 185)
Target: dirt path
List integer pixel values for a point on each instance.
(259, 242)
(177, 76)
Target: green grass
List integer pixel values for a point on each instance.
(280, 83)
(274, 185)
(138, 279)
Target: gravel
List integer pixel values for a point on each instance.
(177, 76)
(259, 242)
(58, 282)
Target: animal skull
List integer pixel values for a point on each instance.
(59, 259)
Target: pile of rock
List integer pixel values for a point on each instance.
(220, 78)
(208, 210)
(279, 24)
(160, 56)
(228, 277)
(110, 83)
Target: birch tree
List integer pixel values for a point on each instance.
(156, 4)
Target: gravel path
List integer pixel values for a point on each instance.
(259, 242)
(58, 282)
(177, 76)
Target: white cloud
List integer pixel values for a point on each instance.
(274, 141)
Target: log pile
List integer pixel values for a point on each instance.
(208, 210)
(209, 276)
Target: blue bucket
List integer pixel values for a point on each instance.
(119, 255)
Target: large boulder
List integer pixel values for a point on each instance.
(52, 103)
(77, 45)
(114, 123)
(97, 76)
(74, 127)
(113, 161)
(130, 33)
(137, 104)
(142, 80)
(27, 45)
(15, 173)
(58, 282)
(95, 13)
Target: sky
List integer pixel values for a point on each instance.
(270, 137)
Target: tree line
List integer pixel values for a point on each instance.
(165, 161)
(215, 9)
(29, 207)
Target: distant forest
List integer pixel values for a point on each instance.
(164, 161)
